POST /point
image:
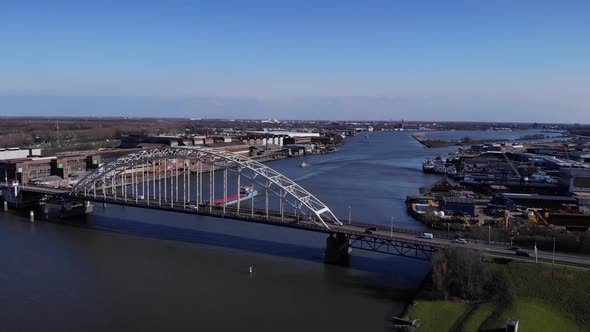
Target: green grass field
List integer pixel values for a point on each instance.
(565, 289)
(546, 298)
(437, 315)
(533, 316)
(477, 317)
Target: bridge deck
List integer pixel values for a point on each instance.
(401, 244)
(377, 239)
(398, 242)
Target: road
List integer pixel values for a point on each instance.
(501, 250)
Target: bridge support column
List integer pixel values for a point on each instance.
(5, 206)
(338, 250)
(88, 207)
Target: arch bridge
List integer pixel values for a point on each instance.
(219, 183)
(204, 180)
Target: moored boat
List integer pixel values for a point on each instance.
(428, 166)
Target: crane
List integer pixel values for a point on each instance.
(509, 162)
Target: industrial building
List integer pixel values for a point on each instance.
(464, 205)
(19, 153)
(575, 179)
(25, 169)
(69, 165)
(38, 170)
(534, 201)
(252, 138)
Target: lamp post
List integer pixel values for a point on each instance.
(391, 233)
(553, 258)
(349, 215)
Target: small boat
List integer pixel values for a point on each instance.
(304, 164)
(428, 166)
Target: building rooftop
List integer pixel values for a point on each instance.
(538, 197)
(458, 200)
(15, 160)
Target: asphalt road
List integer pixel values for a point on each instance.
(492, 249)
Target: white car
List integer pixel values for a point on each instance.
(461, 241)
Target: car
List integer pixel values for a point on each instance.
(522, 253)
(427, 236)
(514, 248)
(374, 229)
(461, 241)
(368, 231)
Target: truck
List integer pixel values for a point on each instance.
(427, 236)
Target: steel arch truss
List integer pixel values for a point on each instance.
(396, 247)
(222, 159)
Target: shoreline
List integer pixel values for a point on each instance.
(441, 144)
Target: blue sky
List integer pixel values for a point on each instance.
(379, 60)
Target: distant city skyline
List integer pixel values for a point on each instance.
(522, 61)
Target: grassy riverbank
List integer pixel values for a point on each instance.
(442, 143)
(543, 298)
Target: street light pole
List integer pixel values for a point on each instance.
(349, 215)
(391, 233)
(553, 259)
(489, 233)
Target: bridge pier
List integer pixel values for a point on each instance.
(338, 250)
(5, 206)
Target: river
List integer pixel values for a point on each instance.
(131, 269)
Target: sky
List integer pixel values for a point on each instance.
(494, 60)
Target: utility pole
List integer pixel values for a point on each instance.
(57, 128)
(489, 233)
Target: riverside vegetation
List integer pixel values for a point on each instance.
(468, 293)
